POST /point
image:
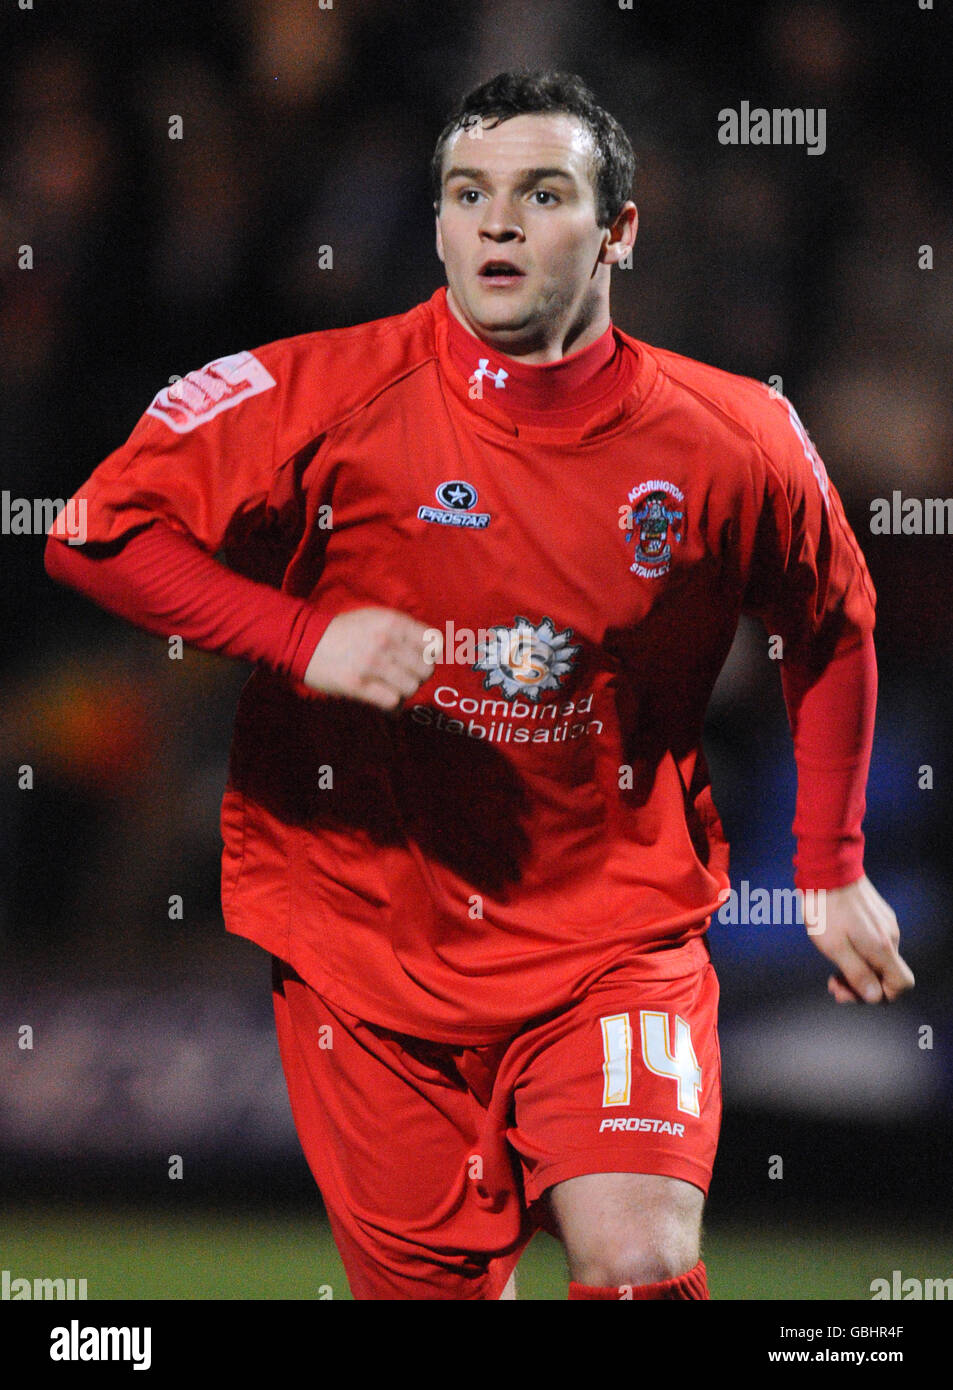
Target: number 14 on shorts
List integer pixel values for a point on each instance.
(661, 1054)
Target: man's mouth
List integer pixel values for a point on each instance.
(500, 272)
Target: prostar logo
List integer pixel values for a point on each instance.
(524, 660)
(456, 493)
(456, 498)
(644, 1125)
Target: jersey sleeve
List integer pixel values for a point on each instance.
(207, 458)
(832, 725)
(808, 580)
(810, 585)
(166, 584)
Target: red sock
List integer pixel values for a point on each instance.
(686, 1286)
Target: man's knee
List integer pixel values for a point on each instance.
(628, 1228)
(637, 1254)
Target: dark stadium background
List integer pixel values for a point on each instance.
(305, 128)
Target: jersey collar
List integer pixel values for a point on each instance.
(582, 392)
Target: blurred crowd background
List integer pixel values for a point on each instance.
(306, 127)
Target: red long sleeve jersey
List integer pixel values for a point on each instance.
(540, 812)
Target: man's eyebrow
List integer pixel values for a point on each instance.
(523, 177)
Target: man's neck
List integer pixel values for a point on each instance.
(575, 339)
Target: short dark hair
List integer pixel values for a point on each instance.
(522, 93)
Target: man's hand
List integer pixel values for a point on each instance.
(376, 655)
(856, 930)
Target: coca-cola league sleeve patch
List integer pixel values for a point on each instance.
(203, 394)
(203, 456)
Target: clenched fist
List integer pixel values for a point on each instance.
(857, 931)
(376, 655)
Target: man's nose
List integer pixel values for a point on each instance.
(500, 223)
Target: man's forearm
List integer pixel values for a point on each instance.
(165, 583)
(832, 724)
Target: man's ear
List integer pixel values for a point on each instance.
(622, 235)
(439, 238)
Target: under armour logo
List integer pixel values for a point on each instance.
(499, 377)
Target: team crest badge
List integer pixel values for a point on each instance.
(656, 511)
(524, 660)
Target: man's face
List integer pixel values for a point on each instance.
(517, 232)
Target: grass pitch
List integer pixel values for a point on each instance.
(130, 1254)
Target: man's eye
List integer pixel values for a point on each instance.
(544, 193)
(469, 195)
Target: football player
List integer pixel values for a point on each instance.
(489, 557)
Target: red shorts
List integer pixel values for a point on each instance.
(433, 1159)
